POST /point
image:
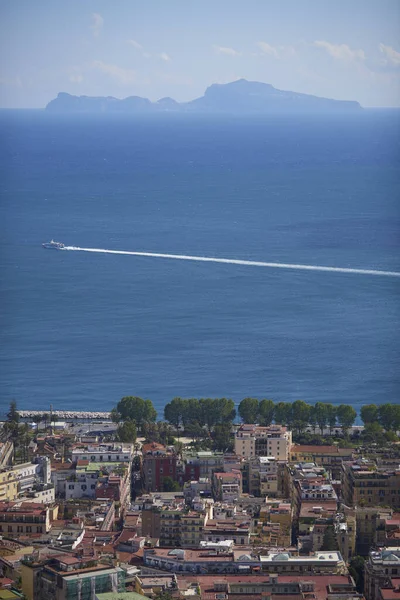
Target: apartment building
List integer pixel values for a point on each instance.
(227, 487)
(25, 517)
(193, 525)
(200, 465)
(158, 463)
(244, 561)
(382, 566)
(117, 453)
(365, 483)
(255, 440)
(274, 587)
(275, 523)
(263, 476)
(67, 577)
(235, 529)
(330, 457)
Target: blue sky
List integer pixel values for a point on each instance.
(344, 49)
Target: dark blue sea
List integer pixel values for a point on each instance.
(81, 330)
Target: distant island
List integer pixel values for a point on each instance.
(237, 97)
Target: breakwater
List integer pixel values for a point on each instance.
(66, 415)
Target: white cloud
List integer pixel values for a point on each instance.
(340, 51)
(227, 51)
(275, 51)
(135, 44)
(390, 55)
(123, 76)
(162, 55)
(97, 24)
(268, 49)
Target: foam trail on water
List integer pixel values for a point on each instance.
(234, 261)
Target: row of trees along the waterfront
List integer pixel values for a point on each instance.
(298, 415)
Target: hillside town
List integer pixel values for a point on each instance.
(108, 507)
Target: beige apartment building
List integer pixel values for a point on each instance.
(255, 440)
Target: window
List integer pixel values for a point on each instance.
(28, 529)
(93, 458)
(84, 486)
(39, 529)
(10, 529)
(93, 486)
(71, 486)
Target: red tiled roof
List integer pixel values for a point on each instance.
(321, 449)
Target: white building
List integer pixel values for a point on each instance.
(103, 453)
(255, 440)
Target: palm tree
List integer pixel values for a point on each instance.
(45, 418)
(37, 419)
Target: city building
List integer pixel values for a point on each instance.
(381, 567)
(255, 440)
(263, 476)
(227, 487)
(366, 483)
(68, 577)
(202, 464)
(25, 517)
(118, 453)
(158, 463)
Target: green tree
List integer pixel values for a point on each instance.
(115, 416)
(321, 415)
(356, 570)
(248, 410)
(266, 412)
(312, 419)
(331, 413)
(389, 416)
(283, 413)
(173, 412)
(224, 410)
(300, 415)
(329, 542)
(37, 419)
(369, 413)
(164, 595)
(191, 411)
(346, 416)
(127, 432)
(13, 414)
(136, 409)
(151, 432)
(195, 431)
(222, 437)
(169, 485)
(46, 419)
(373, 432)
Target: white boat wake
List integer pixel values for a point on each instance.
(234, 261)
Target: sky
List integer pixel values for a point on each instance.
(342, 49)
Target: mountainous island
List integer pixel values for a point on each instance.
(237, 97)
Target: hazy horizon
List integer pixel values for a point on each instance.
(343, 51)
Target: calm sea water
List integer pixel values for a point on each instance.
(82, 330)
